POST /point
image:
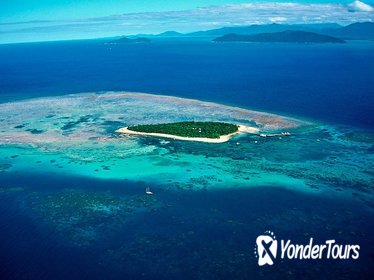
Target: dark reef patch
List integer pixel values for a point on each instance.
(35, 131)
(72, 124)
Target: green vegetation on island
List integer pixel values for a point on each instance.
(189, 129)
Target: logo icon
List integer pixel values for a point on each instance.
(266, 250)
(267, 246)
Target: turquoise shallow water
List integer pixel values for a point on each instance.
(76, 135)
(77, 188)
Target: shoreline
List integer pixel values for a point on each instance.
(221, 139)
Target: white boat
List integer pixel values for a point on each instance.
(148, 191)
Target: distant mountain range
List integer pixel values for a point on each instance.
(355, 31)
(281, 37)
(267, 28)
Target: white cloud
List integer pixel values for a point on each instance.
(360, 6)
(251, 13)
(277, 19)
(195, 19)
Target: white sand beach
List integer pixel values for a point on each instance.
(221, 139)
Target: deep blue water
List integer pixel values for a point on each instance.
(204, 231)
(328, 82)
(220, 247)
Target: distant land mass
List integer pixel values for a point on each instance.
(354, 31)
(265, 28)
(126, 40)
(170, 34)
(281, 37)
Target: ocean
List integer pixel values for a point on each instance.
(330, 82)
(72, 202)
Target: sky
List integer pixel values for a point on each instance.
(46, 20)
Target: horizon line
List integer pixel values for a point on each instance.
(182, 33)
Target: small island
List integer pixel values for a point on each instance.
(211, 132)
(281, 37)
